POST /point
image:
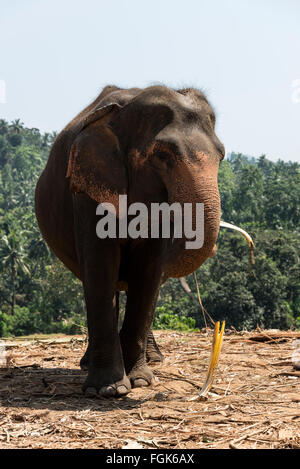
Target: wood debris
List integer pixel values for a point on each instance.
(254, 401)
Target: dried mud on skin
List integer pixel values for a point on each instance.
(254, 401)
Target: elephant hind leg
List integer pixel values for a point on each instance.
(84, 362)
(153, 354)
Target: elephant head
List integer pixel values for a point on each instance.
(155, 145)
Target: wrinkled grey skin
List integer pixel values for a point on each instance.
(155, 145)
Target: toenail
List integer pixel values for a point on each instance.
(122, 389)
(108, 391)
(140, 382)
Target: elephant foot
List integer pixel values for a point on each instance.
(140, 376)
(103, 384)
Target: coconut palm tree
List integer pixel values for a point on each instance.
(13, 258)
(16, 126)
(3, 127)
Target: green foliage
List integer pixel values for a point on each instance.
(167, 319)
(22, 322)
(39, 295)
(264, 198)
(25, 322)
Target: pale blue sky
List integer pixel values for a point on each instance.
(56, 55)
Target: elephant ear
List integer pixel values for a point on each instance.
(96, 163)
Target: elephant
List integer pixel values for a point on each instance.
(156, 145)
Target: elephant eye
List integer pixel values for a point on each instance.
(163, 155)
(162, 159)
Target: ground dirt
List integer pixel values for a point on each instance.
(254, 401)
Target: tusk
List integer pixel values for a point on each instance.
(224, 224)
(185, 285)
(214, 358)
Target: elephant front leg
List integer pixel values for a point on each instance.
(153, 354)
(84, 362)
(143, 288)
(106, 373)
(99, 264)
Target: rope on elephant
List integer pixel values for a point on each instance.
(204, 312)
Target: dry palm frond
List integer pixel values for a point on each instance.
(214, 358)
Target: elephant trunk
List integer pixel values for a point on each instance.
(195, 184)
